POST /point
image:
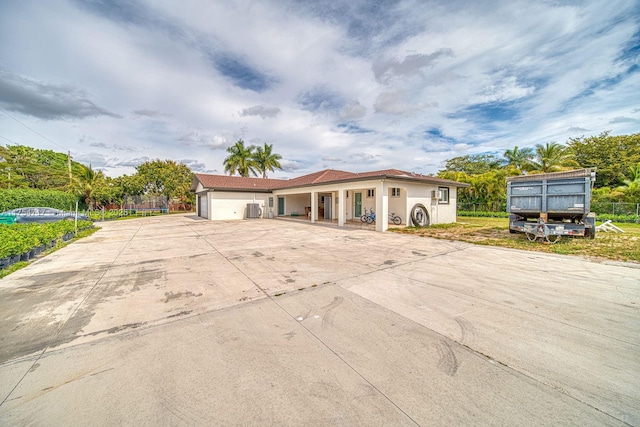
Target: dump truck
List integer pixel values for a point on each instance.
(551, 205)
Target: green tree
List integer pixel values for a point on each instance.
(85, 182)
(612, 156)
(26, 167)
(265, 160)
(107, 191)
(167, 178)
(630, 187)
(240, 159)
(473, 163)
(519, 158)
(552, 157)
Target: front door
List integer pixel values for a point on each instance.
(280, 206)
(358, 207)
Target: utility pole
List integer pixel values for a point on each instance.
(69, 167)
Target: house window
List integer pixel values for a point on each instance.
(395, 192)
(371, 193)
(443, 195)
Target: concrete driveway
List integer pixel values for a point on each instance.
(176, 320)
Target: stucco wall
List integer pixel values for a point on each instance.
(439, 213)
(229, 205)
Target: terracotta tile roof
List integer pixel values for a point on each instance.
(225, 182)
(327, 175)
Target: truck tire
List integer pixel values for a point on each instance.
(420, 216)
(590, 233)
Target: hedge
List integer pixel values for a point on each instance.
(23, 198)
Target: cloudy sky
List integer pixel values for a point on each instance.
(354, 84)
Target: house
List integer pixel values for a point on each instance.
(329, 195)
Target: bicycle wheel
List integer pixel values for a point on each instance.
(371, 219)
(363, 218)
(396, 220)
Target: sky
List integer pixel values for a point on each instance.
(355, 85)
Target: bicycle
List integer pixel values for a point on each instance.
(369, 218)
(395, 219)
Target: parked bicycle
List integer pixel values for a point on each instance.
(395, 219)
(369, 218)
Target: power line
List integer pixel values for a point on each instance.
(37, 133)
(4, 137)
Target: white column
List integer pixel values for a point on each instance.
(342, 207)
(314, 206)
(382, 207)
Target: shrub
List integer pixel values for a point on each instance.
(17, 239)
(484, 214)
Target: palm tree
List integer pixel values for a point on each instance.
(552, 157)
(630, 189)
(240, 159)
(265, 160)
(86, 182)
(519, 158)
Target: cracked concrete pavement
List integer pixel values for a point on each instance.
(175, 320)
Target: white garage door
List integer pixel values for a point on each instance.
(202, 206)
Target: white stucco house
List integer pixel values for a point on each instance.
(329, 195)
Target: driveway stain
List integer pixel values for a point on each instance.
(330, 314)
(170, 296)
(447, 362)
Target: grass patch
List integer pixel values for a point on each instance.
(495, 232)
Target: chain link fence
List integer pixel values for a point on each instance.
(599, 208)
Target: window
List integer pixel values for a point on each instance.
(444, 195)
(395, 192)
(371, 193)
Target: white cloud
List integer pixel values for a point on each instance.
(353, 110)
(328, 80)
(260, 110)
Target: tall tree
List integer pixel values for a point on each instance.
(473, 163)
(167, 178)
(85, 184)
(265, 160)
(630, 188)
(240, 159)
(552, 157)
(519, 158)
(611, 155)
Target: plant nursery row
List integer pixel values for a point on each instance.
(22, 242)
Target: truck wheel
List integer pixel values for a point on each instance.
(552, 238)
(532, 237)
(590, 233)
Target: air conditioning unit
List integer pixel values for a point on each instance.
(253, 210)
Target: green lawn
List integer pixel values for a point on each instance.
(495, 232)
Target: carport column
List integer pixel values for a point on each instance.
(382, 207)
(314, 206)
(341, 207)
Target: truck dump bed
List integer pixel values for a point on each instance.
(556, 194)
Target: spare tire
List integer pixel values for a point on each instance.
(420, 216)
